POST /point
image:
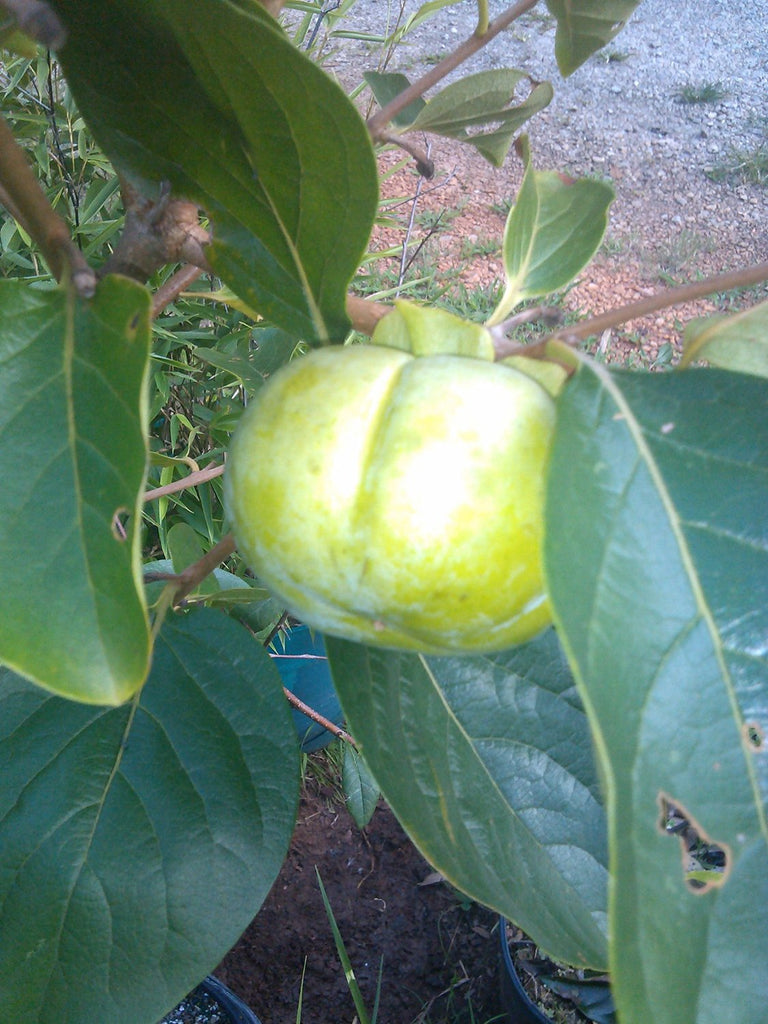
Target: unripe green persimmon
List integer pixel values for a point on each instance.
(397, 500)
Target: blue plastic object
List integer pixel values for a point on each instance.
(303, 667)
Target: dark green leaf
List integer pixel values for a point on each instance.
(222, 106)
(385, 86)
(136, 843)
(360, 787)
(657, 562)
(585, 26)
(73, 424)
(487, 763)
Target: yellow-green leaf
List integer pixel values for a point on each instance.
(738, 342)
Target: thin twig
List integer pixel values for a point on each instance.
(463, 51)
(196, 573)
(192, 480)
(411, 221)
(633, 310)
(424, 165)
(173, 287)
(305, 709)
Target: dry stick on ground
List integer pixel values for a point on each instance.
(24, 198)
(614, 317)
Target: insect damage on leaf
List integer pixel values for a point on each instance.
(705, 862)
(754, 736)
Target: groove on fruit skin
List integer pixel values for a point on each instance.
(367, 468)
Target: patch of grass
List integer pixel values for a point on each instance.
(543, 20)
(503, 207)
(613, 245)
(321, 771)
(679, 252)
(738, 299)
(748, 166)
(433, 58)
(475, 304)
(706, 92)
(472, 247)
(431, 220)
(611, 56)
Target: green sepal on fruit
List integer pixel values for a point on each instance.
(397, 500)
(427, 331)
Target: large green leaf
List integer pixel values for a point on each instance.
(221, 105)
(738, 342)
(552, 232)
(483, 100)
(73, 454)
(136, 843)
(487, 762)
(657, 562)
(585, 26)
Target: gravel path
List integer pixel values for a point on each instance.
(618, 116)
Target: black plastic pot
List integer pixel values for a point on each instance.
(235, 1007)
(210, 1000)
(514, 1001)
(588, 993)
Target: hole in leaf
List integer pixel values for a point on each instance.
(755, 736)
(705, 862)
(119, 520)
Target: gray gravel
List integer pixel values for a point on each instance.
(618, 115)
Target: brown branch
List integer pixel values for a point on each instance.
(463, 52)
(37, 20)
(633, 310)
(195, 573)
(305, 709)
(665, 298)
(173, 287)
(547, 315)
(200, 476)
(26, 201)
(424, 165)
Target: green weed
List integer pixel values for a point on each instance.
(748, 166)
(470, 248)
(707, 92)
